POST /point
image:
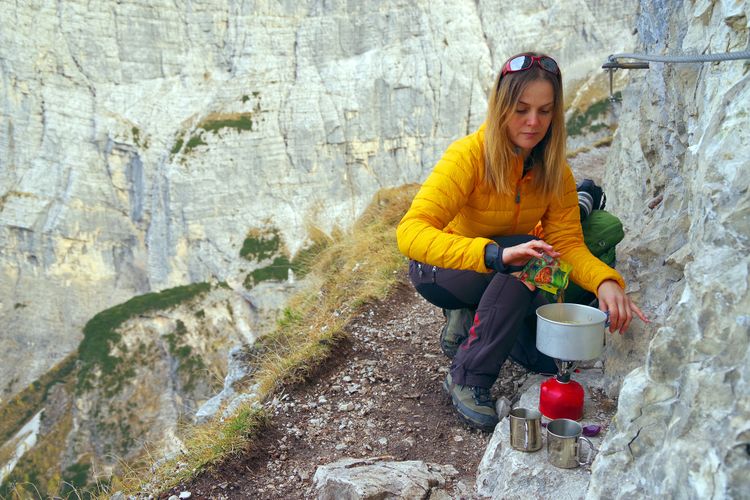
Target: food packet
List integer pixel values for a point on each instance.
(547, 273)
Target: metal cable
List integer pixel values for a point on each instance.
(727, 56)
(613, 64)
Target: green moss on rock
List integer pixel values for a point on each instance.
(260, 245)
(277, 271)
(195, 141)
(243, 122)
(177, 146)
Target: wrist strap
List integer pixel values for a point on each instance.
(493, 258)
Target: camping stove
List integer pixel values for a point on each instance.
(561, 397)
(568, 333)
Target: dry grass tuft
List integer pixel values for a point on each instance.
(603, 142)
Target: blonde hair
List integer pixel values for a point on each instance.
(500, 154)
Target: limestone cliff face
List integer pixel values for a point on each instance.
(681, 428)
(142, 141)
(143, 369)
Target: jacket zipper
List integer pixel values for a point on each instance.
(518, 206)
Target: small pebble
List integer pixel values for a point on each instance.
(502, 407)
(346, 406)
(185, 494)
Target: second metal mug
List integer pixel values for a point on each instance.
(525, 429)
(564, 444)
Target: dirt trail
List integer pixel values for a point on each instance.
(381, 395)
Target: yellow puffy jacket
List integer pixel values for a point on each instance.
(455, 213)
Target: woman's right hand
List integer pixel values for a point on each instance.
(612, 299)
(519, 255)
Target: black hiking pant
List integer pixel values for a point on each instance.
(504, 323)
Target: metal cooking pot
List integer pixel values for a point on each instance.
(570, 332)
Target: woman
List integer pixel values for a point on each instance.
(471, 228)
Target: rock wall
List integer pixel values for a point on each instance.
(142, 141)
(678, 178)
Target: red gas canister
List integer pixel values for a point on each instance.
(561, 399)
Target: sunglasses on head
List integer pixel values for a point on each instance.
(523, 62)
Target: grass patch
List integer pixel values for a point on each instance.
(195, 141)
(585, 122)
(207, 443)
(240, 122)
(260, 245)
(264, 245)
(278, 270)
(305, 335)
(100, 334)
(243, 122)
(305, 259)
(177, 146)
(603, 142)
(215, 122)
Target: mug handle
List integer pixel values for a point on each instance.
(590, 456)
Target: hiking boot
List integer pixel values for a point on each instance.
(455, 330)
(474, 405)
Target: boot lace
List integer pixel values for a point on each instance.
(482, 396)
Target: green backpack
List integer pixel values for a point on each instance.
(602, 231)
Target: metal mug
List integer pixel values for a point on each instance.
(525, 429)
(564, 444)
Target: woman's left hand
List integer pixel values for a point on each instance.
(612, 298)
